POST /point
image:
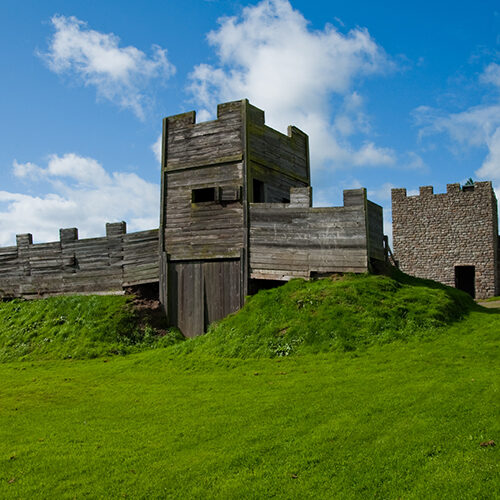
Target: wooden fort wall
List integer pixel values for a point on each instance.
(236, 207)
(73, 265)
(290, 240)
(278, 161)
(204, 243)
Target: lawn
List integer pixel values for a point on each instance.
(403, 419)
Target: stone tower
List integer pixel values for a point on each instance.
(449, 237)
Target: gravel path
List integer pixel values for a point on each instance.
(495, 304)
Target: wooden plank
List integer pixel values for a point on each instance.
(221, 288)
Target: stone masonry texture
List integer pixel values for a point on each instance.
(433, 233)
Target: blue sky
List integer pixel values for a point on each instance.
(394, 95)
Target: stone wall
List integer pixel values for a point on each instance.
(433, 233)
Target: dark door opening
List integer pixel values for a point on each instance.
(465, 278)
(259, 194)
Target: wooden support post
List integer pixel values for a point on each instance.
(23, 242)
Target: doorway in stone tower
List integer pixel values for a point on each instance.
(465, 279)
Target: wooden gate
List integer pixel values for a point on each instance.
(201, 292)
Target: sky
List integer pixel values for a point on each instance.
(391, 94)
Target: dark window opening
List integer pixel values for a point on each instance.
(202, 195)
(259, 195)
(468, 187)
(256, 285)
(285, 200)
(465, 277)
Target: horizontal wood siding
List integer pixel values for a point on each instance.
(79, 266)
(279, 161)
(287, 241)
(276, 185)
(140, 257)
(205, 230)
(287, 154)
(191, 144)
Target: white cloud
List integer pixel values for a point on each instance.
(467, 128)
(119, 74)
(28, 169)
(156, 148)
(369, 154)
(83, 195)
(478, 126)
(271, 56)
(491, 75)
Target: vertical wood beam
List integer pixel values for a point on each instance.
(244, 254)
(163, 261)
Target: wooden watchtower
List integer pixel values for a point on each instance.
(236, 210)
(210, 173)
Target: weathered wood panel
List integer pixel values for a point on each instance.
(276, 185)
(375, 231)
(222, 289)
(140, 257)
(279, 161)
(191, 144)
(287, 154)
(287, 241)
(201, 292)
(79, 266)
(211, 229)
(186, 298)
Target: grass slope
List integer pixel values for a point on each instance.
(397, 420)
(74, 327)
(369, 414)
(344, 313)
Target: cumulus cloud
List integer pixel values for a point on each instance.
(119, 74)
(82, 194)
(156, 148)
(270, 55)
(467, 128)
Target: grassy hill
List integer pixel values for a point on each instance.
(403, 404)
(346, 313)
(76, 327)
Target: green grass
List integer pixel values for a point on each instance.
(389, 394)
(492, 299)
(341, 314)
(400, 420)
(74, 327)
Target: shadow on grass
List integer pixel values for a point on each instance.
(466, 302)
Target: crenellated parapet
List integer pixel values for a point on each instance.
(73, 265)
(441, 235)
(479, 188)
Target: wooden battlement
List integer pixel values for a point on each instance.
(73, 265)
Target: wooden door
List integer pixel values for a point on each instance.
(201, 292)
